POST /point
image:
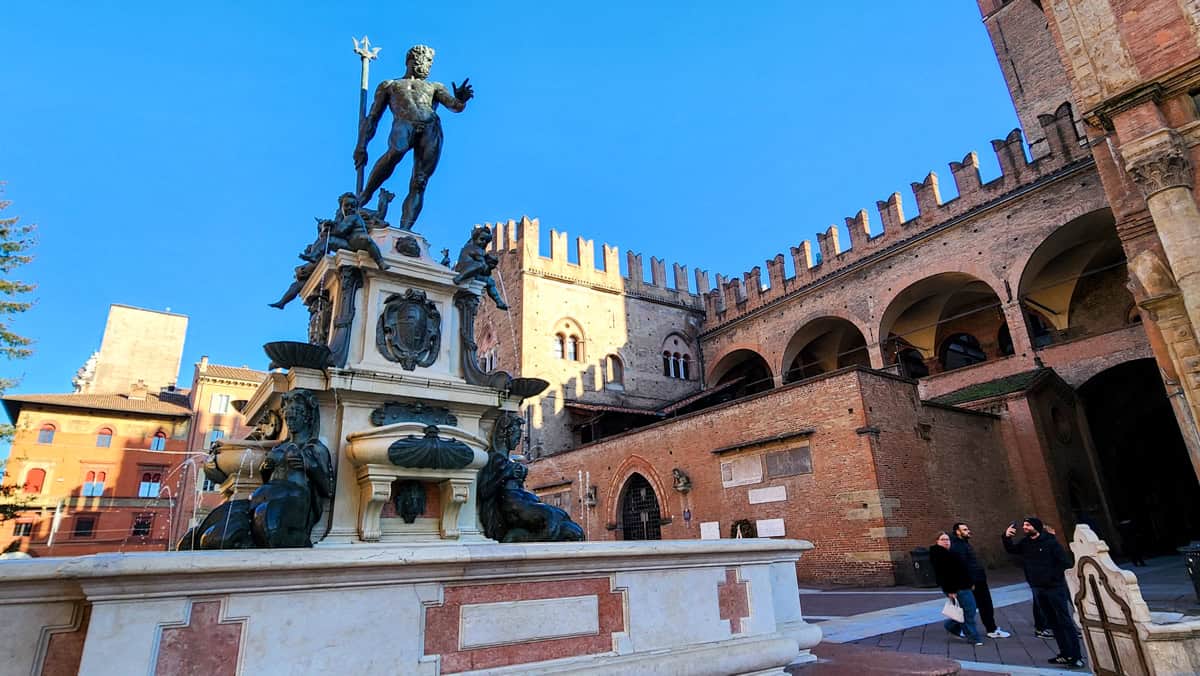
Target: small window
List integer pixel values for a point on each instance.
(219, 403)
(614, 372)
(142, 524)
(209, 486)
(93, 484)
(23, 529)
(559, 346)
(573, 348)
(961, 349)
(104, 438)
(150, 485)
(685, 367)
(46, 434)
(214, 435)
(667, 364)
(34, 479)
(85, 526)
(159, 442)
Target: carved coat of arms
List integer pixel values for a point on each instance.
(410, 330)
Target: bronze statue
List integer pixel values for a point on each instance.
(297, 478)
(507, 511)
(346, 230)
(474, 262)
(413, 101)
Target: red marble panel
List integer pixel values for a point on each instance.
(64, 649)
(207, 646)
(442, 623)
(733, 598)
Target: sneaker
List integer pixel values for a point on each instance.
(1068, 662)
(999, 633)
(978, 643)
(1043, 633)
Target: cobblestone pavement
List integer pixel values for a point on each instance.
(907, 620)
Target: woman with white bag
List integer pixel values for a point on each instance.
(955, 581)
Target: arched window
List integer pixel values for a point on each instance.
(559, 345)
(34, 479)
(104, 438)
(667, 364)
(150, 485)
(614, 372)
(46, 434)
(93, 484)
(961, 349)
(685, 367)
(640, 514)
(159, 442)
(677, 357)
(573, 348)
(912, 363)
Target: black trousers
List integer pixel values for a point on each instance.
(1055, 603)
(987, 612)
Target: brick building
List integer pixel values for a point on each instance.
(120, 470)
(1013, 349)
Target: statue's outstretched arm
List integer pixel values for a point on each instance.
(456, 101)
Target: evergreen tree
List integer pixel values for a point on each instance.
(15, 242)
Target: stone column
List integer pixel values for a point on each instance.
(1158, 164)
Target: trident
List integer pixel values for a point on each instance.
(366, 54)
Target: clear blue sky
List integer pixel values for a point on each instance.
(175, 157)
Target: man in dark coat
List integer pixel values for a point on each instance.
(1044, 560)
(960, 536)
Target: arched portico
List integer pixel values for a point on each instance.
(822, 345)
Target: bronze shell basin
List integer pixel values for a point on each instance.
(527, 387)
(293, 354)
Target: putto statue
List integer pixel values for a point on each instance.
(474, 262)
(507, 511)
(413, 101)
(346, 230)
(297, 479)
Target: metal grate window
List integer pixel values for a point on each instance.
(640, 515)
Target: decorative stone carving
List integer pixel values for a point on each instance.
(409, 499)
(507, 511)
(683, 482)
(468, 305)
(1160, 166)
(351, 281)
(409, 330)
(408, 246)
(320, 311)
(297, 480)
(430, 451)
(394, 412)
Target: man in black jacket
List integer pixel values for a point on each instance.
(960, 536)
(1045, 560)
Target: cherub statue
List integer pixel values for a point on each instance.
(347, 230)
(377, 218)
(683, 482)
(474, 262)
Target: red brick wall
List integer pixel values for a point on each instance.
(871, 471)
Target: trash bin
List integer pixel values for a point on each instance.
(1191, 558)
(923, 568)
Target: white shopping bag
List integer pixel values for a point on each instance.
(952, 610)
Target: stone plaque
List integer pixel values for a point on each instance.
(710, 530)
(769, 528)
(769, 494)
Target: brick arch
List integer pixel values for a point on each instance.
(1067, 251)
(635, 464)
(710, 369)
(787, 353)
(970, 272)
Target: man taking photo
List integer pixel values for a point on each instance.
(1045, 560)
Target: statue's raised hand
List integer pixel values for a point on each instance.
(464, 92)
(360, 158)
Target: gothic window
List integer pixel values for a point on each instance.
(46, 434)
(572, 348)
(34, 479)
(559, 346)
(685, 367)
(104, 438)
(676, 358)
(961, 349)
(159, 442)
(667, 364)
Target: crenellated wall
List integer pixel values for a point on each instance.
(518, 244)
(735, 297)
